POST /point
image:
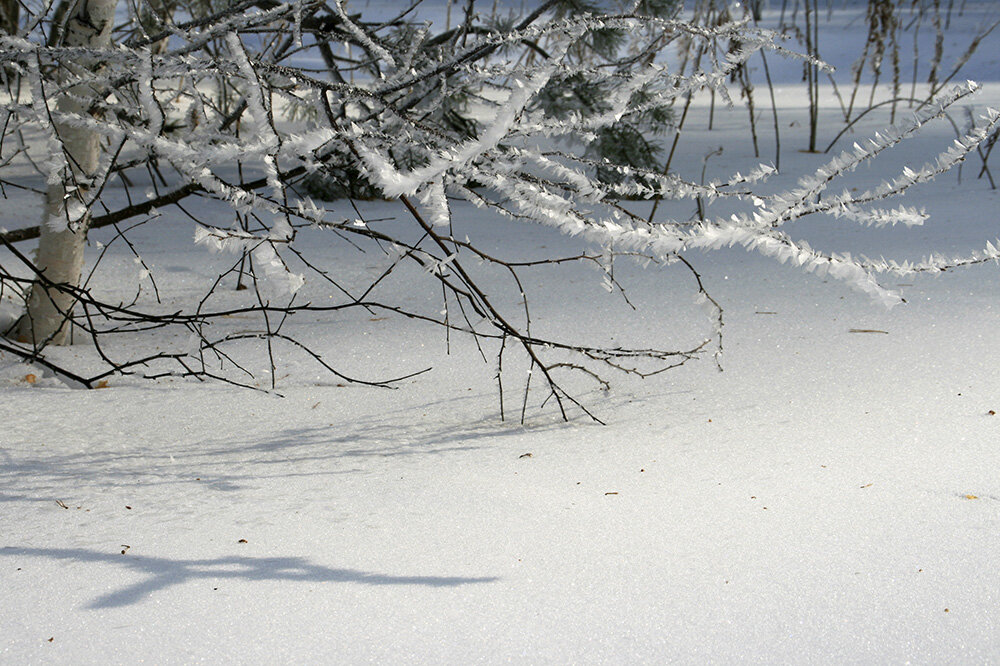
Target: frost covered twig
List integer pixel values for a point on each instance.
(552, 118)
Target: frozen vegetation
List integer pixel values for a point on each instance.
(475, 413)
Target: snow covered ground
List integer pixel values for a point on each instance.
(831, 497)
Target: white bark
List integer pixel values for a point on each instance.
(64, 226)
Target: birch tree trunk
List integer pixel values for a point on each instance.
(67, 215)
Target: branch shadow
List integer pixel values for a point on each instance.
(161, 573)
(233, 462)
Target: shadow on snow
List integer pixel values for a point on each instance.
(233, 462)
(160, 573)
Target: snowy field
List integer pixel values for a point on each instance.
(832, 496)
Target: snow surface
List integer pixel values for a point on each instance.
(831, 497)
